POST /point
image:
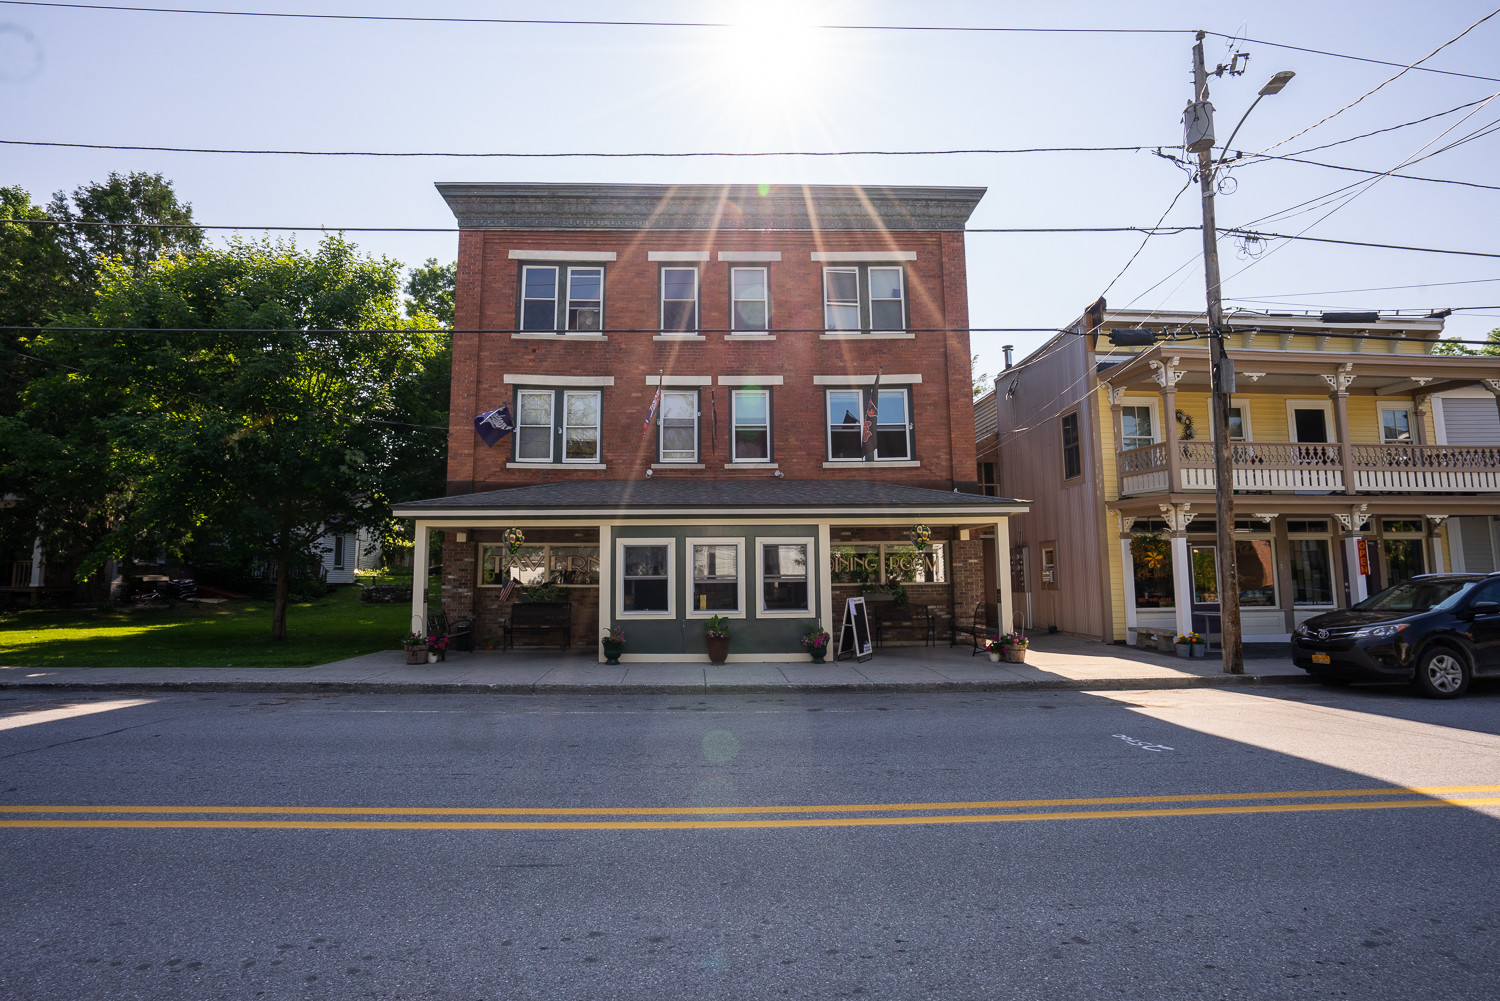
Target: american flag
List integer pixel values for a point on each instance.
(509, 590)
(655, 402)
(872, 410)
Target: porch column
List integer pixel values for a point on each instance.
(823, 576)
(1167, 376)
(419, 577)
(606, 583)
(1003, 601)
(1437, 541)
(1420, 407)
(38, 571)
(1351, 524)
(1178, 517)
(1339, 383)
(1127, 574)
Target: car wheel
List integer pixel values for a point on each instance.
(1442, 673)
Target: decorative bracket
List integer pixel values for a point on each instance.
(1493, 385)
(1261, 516)
(1116, 393)
(1356, 520)
(1168, 374)
(1178, 516)
(1127, 522)
(1340, 380)
(1254, 376)
(1437, 521)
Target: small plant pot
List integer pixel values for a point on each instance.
(1015, 655)
(416, 654)
(718, 649)
(1199, 649)
(612, 651)
(994, 656)
(818, 653)
(1184, 649)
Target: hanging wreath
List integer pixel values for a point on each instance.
(1185, 422)
(920, 536)
(515, 539)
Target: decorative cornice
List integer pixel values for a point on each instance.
(1178, 516)
(709, 207)
(1168, 375)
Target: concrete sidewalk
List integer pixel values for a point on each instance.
(1053, 662)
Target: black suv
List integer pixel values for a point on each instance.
(1436, 631)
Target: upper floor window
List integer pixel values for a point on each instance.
(1395, 426)
(1072, 446)
(562, 298)
(543, 415)
(751, 300)
(864, 297)
(679, 300)
(679, 426)
(1136, 427)
(893, 425)
(751, 415)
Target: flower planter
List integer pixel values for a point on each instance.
(1199, 649)
(818, 653)
(612, 651)
(416, 654)
(718, 649)
(1184, 649)
(818, 658)
(1015, 655)
(994, 656)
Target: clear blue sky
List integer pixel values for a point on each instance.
(135, 78)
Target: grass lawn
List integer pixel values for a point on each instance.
(232, 634)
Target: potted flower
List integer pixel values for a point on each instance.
(993, 646)
(613, 643)
(416, 648)
(437, 649)
(1013, 648)
(816, 641)
(1200, 645)
(716, 631)
(1185, 643)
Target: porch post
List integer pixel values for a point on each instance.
(1167, 376)
(823, 575)
(1421, 405)
(1127, 575)
(1002, 575)
(1437, 541)
(1339, 383)
(606, 582)
(419, 577)
(1350, 523)
(1178, 517)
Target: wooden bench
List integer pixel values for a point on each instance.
(542, 617)
(460, 632)
(984, 623)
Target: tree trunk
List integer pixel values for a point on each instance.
(278, 607)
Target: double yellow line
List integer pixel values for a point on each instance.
(302, 818)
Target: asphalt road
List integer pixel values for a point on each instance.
(1211, 844)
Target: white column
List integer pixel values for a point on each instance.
(1127, 562)
(606, 581)
(1358, 586)
(38, 575)
(419, 577)
(1437, 521)
(1182, 582)
(822, 575)
(1002, 575)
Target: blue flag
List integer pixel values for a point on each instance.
(494, 425)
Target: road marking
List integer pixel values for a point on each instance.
(1144, 745)
(68, 712)
(34, 816)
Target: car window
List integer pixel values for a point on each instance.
(1488, 591)
(1417, 596)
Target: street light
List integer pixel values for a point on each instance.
(1199, 122)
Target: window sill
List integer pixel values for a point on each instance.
(749, 337)
(874, 464)
(555, 465)
(559, 336)
(644, 615)
(678, 337)
(677, 465)
(751, 464)
(860, 335)
(784, 614)
(694, 613)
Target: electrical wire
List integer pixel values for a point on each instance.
(1376, 132)
(1358, 59)
(1377, 288)
(1147, 239)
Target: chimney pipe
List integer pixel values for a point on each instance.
(1007, 348)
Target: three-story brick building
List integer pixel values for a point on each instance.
(689, 371)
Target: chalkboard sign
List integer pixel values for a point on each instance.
(854, 635)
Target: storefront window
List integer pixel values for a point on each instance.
(1256, 569)
(541, 564)
(1151, 556)
(891, 562)
(1312, 572)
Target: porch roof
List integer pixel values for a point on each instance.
(844, 501)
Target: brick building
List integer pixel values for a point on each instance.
(757, 327)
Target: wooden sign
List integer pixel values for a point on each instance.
(1364, 558)
(854, 634)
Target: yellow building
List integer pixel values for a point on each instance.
(1360, 458)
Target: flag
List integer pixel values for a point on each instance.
(509, 590)
(655, 402)
(494, 425)
(872, 410)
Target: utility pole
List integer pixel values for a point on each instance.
(1221, 378)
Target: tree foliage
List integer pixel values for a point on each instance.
(135, 218)
(1451, 347)
(431, 288)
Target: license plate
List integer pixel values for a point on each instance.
(1322, 658)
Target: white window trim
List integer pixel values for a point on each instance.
(1292, 406)
(765, 301)
(678, 256)
(750, 256)
(567, 293)
(600, 256)
(828, 302)
(661, 427)
(733, 424)
(551, 425)
(661, 282)
(847, 381)
(1405, 408)
(557, 277)
(517, 379)
(760, 577)
(619, 579)
(828, 425)
(863, 256)
(869, 295)
(1243, 406)
(738, 542)
(1154, 404)
(598, 426)
(911, 426)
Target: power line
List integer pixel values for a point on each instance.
(1378, 288)
(1293, 158)
(1389, 128)
(1358, 59)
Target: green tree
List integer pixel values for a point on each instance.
(430, 290)
(133, 217)
(255, 404)
(982, 381)
(1451, 347)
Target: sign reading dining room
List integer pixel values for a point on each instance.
(878, 562)
(531, 565)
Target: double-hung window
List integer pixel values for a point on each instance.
(1072, 446)
(751, 414)
(717, 586)
(864, 297)
(1395, 426)
(893, 424)
(566, 298)
(784, 576)
(679, 300)
(750, 297)
(678, 426)
(646, 577)
(1136, 427)
(545, 414)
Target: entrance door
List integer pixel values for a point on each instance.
(1309, 424)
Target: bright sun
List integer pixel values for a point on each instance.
(773, 49)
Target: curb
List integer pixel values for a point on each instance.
(417, 688)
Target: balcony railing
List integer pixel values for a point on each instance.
(1283, 466)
